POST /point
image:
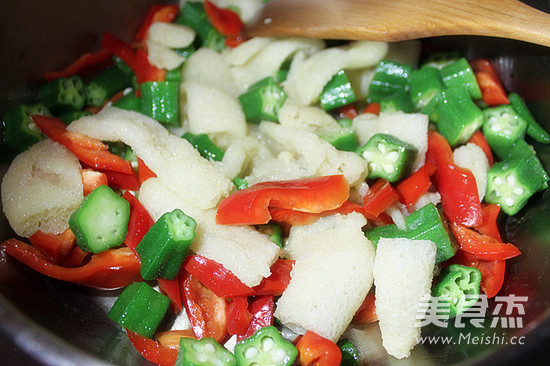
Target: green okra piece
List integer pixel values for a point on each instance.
(140, 309)
(350, 357)
(20, 130)
(203, 352)
(274, 231)
(160, 100)
(388, 157)
(130, 102)
(389, 77)
(164, 247)
(240, 183)
(510, 184)
(458, 117)
(63, 94)
(105, 85)
(534, 130)
(522, 150)
(460, 73)
(425, 84)
(398, 101)
(101, 220)
(459, 287)
(262, 101)
(265, 347)
(205, 146)
(194, 16)
(427, 223)
(345, 140)
(69, 117)
(502, 128)
(337, 92)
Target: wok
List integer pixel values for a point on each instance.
(44, 321)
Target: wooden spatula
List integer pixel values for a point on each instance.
(397, 20)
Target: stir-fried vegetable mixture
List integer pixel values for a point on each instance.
(273, 192)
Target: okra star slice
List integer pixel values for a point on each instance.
(459, 287)
(510, 184)
(101, 220)
(502, 127)
(265, 347)
(21, 131)
(63, 94)
(262, 101)
(388, 157)
(105, 84)
(203, 352)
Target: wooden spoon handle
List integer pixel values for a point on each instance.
(396, 20)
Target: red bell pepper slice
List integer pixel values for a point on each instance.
(492, 276)
(305, 218)
(172, 289)
(347, 111)
(206, 310)
(415, 185)
(238, 315)
(56, 246)
(457, 186)
(90, 151)
(118, 47)
(489, 225)
(478, 139)
(144, 172)
(87, 63)
(380, 196)
(225, 21)
(314, 350)
(366, 313)
(492, 272)
(492, 91)
(157, 13)
(129, 182)
(135, 58)
(261, 309)
(234, 41)
(153, 351)
(76, 257)
(372, 108)
(91, 179)
(277, 281)
(250, 206)
(139, 223)
(483, 246)
(144, 70)
(111, 269)
(116, 180)
(216, 277)
(224, 283)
